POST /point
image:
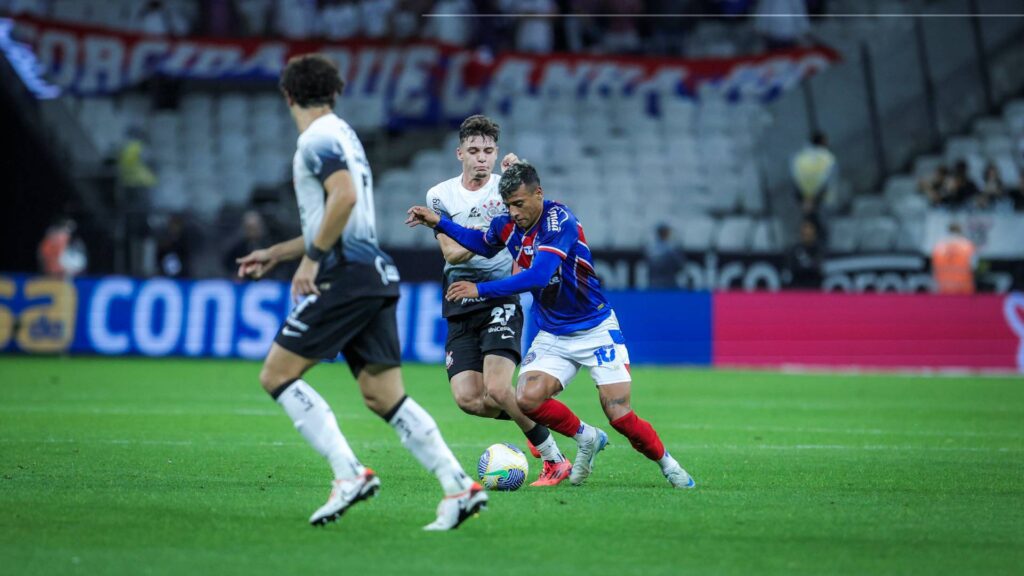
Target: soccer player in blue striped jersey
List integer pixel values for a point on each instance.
(577, 325)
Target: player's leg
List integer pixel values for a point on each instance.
(314, 419)
(615, 400)
(546, 370)
(471, 396)
(609, 367)
(498, 372)
(374, 357)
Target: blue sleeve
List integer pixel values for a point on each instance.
(535, 277)
(472, 240)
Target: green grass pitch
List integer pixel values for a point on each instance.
(135, 466)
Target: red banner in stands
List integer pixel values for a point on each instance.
(420, 81)
(869, 331)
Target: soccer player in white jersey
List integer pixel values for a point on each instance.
(483, 346)
(577, 326)
(348, 289)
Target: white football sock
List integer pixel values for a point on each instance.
(315, 420)
(667, 462)
(419, 434)
(586, 432)
(549, 451)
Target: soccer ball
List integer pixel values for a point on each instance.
(502, 467)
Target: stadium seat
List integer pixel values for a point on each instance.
(926, 165)
(997, 145)
(842, 235)
(767, 236)
(697, 232)
(877, 234)
(869, 206)
(961, 147)
(734, 234)
(897, 187)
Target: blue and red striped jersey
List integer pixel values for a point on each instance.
(572, 299)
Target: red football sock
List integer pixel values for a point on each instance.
(556, 416)
(641, 435)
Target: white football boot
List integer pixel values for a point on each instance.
(586, 452)
(678, 477)
(345, 493)
(457, 508)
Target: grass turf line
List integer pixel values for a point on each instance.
(137, 466)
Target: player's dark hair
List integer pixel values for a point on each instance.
(479, 125)
(520, 173)
(311, 80)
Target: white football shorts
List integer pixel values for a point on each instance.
(601, 348)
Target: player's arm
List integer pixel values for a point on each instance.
(474, 240)
(533, 278)
(259, 263)
(338, 205)
(452, 251)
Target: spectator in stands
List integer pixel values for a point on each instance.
(933, 186)
(960, 189)
(814, 172)
(174, 252)
(664, 259)
(254, 237)
(954, 262)
(994, 195)
(135, 177)
(61, 253)
(804, 261)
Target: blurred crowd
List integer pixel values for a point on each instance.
(957, 189)
(539, 26)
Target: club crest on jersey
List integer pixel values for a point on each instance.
(556, 217)
(528, 250)
(493, 208)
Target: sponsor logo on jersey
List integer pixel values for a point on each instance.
(556, 217)
(474, 212)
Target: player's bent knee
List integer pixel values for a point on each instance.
(530, 397)
(472, 405)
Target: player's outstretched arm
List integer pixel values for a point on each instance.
(259, 263)
(470, 239)
(535, 277)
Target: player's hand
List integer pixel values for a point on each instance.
(422, 215)
(508, 161)
(461, 289)
(256, 264)
(304, 281)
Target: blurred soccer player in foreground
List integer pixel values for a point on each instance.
(577, 326)
(349, 290)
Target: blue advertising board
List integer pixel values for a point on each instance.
(226, 319)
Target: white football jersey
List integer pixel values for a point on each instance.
(471, 210)
(329, 144)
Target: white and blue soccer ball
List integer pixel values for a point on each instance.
(502, 467)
